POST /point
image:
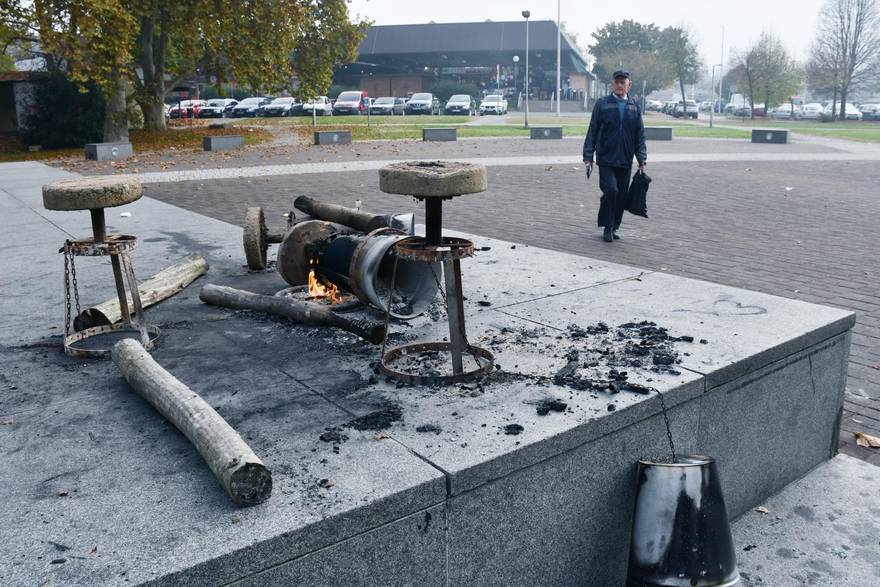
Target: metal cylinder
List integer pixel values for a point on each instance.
(357, 219)
(681, 534)
(364, 264)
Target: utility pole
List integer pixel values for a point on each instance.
(526, 14)
(558, 54)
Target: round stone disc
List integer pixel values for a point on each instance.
(86, 193)
(433, 179)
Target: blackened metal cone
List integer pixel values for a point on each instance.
(681, 534)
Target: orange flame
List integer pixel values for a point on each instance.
(318, 290)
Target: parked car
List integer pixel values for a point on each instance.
(388, 105)
(653, 105)
(870, 111)
(852, 113)
(759, 110)
(249, 106)
(278, 107)
(186, 109)
(423, 103)
(784, 112)
(354, 102)
(461, 104)
(686, 109)
(321, 106)
(216, 108)
(706, 106)
(668, 107)
(811, 111)
(493, 104)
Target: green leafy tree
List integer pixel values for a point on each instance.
(768, 71)
(135, 46)
(647, 69)
(632, 45)
(676, 46)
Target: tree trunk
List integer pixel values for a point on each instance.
(241, 473)
(302, 312)
(843, 93)
(154, 112)
(116, 114)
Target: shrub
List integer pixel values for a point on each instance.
(62, 116)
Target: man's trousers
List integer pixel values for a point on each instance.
(614, 183)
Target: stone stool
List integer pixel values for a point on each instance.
(94, 194)
(434, 182)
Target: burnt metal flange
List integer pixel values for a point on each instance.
(415, 379)
(450, 248)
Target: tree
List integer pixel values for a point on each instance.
(768, 71)
(647, 69)
(676, 46)
(614, 38)
(848, 34)
(823, 70)
(136, 45)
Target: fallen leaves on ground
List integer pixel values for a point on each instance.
(866, 440)
(762, 509)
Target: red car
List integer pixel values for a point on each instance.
(186, 109)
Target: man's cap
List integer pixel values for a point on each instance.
(620, 73)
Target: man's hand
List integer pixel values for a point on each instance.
(589, 167)
(642, 165)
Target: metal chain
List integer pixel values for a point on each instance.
(75, 285)
(388, 308)
(66, 290)
(668, 429)
(446, 300)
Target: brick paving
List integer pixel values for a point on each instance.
(803, 230)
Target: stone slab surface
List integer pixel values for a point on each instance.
(439, 134)
(222, 143)
(85, 193)
(108, 151)
(333, 137)
(736, 323)
(272, 380)
(658, 133)
(770, 135)
(545, 132)
(820, 530)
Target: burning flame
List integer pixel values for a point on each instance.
(319, 291)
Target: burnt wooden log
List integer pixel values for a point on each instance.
(303, 312)
(162, 285)
(240, 472)
(362, 221)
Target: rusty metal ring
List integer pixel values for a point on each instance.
(152, 333)
(434, 379)
(416, 248)
(114, 245)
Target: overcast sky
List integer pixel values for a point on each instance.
(743, 20)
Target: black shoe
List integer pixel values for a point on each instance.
(614, 234)
(608, 235)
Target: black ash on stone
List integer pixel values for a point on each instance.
(380, 419)
(545, 406)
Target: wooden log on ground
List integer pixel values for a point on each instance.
(239, 470)
(161, 286)
(302, 312)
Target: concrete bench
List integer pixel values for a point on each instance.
(333, 137)
(770, 135)
(222, 143)
(658, 133)
(439, 134)
(108, 151)
(545, 132)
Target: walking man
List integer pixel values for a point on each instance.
(616, 134)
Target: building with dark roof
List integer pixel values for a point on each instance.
(398, 60)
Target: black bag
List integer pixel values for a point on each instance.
(637, 196)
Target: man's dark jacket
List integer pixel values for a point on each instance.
(616, 140)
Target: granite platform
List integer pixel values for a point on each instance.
(374, 482)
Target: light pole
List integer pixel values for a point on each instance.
(558, 54)
(526, 14)
(515, 68)
(712, 106)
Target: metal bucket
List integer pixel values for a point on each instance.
(681, 534)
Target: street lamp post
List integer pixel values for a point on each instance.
(515, 68)
(526, 14)
(712, 106)
(558, 54)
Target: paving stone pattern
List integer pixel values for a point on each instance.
(802, 230)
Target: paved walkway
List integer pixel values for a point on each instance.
(798, 220)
